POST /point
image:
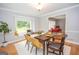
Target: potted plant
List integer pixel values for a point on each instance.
(4, 29)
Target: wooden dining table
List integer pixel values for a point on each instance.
(43, 38)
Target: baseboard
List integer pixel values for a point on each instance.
(69, 41)
(11, 42)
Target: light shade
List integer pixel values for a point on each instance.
(38, 6)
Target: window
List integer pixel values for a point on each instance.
(52, 24)
(23, 26)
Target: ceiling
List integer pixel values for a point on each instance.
(30, 10)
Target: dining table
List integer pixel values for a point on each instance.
(43, 39)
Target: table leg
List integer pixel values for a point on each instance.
(46, 47)
(43, 48)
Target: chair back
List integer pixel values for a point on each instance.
(59, 39)
(28, 38)
(36, 43)
(63, 39)
(16, 33)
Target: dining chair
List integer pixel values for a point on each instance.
(28, 39)
(16, 34)
(37, 44)
(57, 45)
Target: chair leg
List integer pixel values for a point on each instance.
(36, 51)
(59, 52)
(31, 49)
(28, 46)
(25, 43)
(47, 50)
(62, 53)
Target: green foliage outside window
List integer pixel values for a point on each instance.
(21, 24)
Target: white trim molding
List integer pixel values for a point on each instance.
(71, 42)
(14, 11)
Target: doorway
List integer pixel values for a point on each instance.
(59, 20)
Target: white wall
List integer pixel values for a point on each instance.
(72, 22)
(37, 24)
(10, 18)
(61, 23)
(44, 24)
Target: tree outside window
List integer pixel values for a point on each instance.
(23, 26)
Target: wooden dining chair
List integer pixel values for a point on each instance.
(56, 45)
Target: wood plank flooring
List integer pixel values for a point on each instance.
(74, 48)
(11, 50)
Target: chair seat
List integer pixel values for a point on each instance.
(54, 46)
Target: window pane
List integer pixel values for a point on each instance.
(52, 24)
(23, 26)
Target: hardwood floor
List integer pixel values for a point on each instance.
(10, 49)
(74, 48)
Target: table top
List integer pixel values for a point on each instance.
(43, 37)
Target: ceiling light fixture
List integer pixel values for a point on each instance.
(38, 6)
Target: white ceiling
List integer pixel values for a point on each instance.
(30, 10)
